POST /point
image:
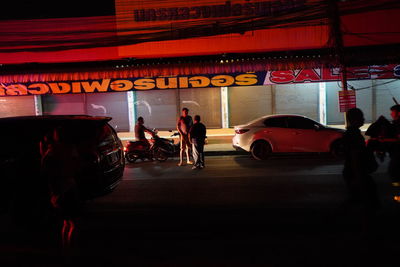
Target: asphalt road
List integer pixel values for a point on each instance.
(287, 211)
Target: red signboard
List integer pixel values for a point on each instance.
(347, 100)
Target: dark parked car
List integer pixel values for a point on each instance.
(100, 152)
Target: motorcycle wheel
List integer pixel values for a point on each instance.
(131, 157)
(160, 155)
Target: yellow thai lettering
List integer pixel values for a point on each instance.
(222, 80)
(162, 84)
(90, 87)
(17, 89)
(246, 79)
(2, 90)
(121, 85)
(60, 88)
(183, 82)
(76, 87)
(144, 84)
(38, 89)
(199, 81)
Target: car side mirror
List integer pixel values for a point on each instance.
(317, 127)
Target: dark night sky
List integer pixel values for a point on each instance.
(31, 9)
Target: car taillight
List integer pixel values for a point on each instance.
(241, 131)
(125, 149)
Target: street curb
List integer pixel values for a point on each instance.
(225, 153)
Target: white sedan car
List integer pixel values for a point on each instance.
(286, 134)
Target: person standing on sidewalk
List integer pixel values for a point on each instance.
(183, 126)
(197, 136)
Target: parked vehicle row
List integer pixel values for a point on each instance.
(103, 156)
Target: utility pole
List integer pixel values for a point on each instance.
(336, 41)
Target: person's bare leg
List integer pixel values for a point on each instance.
(181, 157)
(70, 231)
(188, 156)
(64, 234)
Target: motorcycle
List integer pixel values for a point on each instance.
(160, 149)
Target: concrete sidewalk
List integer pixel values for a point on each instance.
(219, 141)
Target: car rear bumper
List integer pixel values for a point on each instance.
(238, 148)
(102, 184)
(102, 178)
(238, 144)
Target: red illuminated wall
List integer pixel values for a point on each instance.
(120, 36)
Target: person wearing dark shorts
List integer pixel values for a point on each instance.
(197, 135)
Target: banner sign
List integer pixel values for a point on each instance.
(347, 100)
(198, 81)
(183, 28)
(332, 74)
(186, 10)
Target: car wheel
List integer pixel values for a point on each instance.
(337, 149)
(261, 150)
(160, 155)
(131, 157)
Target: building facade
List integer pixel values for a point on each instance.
(220, 107)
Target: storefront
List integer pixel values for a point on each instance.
(222, 100)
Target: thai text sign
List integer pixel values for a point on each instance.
(196, 81)
(347, 100)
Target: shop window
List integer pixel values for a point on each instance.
(112, 105)
(301, 99)
(205, 102)
(63, 104)
(11, 106)
(158, 108)
(248, 103)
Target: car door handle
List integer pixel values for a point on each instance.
(296, 133)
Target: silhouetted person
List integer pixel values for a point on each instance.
(197, 135)
(394, 149)
(359, 163)
(60, 166)
(183, 126)
(378, 132)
